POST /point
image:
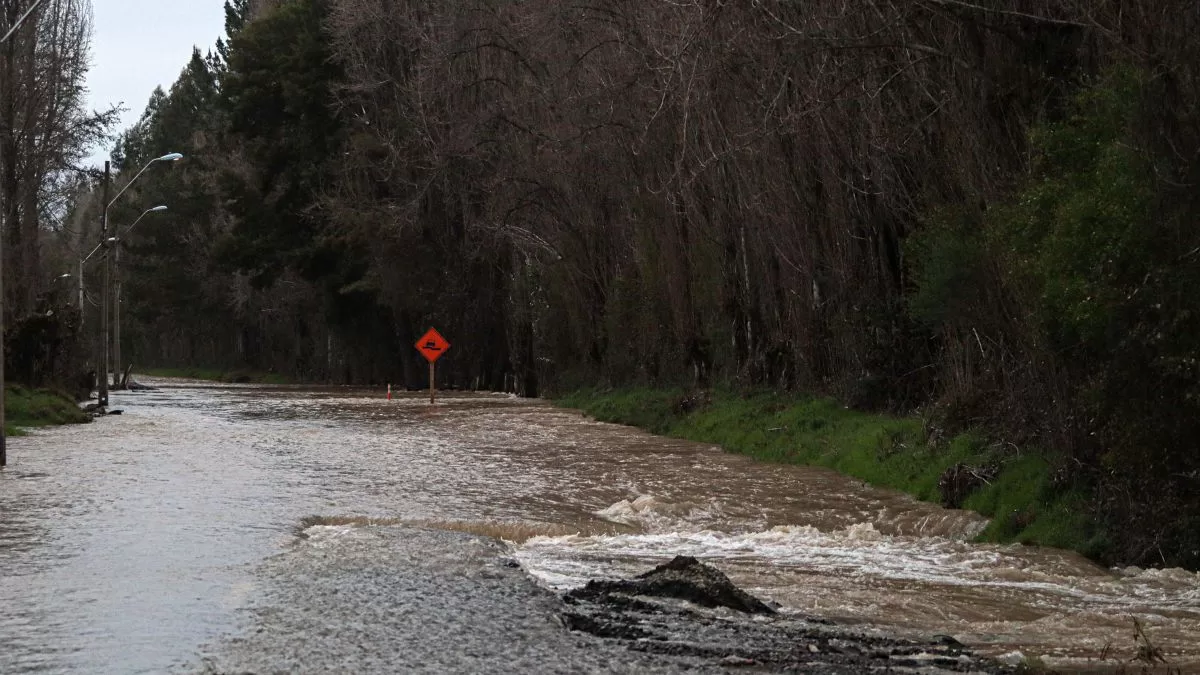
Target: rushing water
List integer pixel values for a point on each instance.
(127, 544)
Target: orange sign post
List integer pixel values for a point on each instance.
(432, 345)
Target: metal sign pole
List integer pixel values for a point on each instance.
(432, 345)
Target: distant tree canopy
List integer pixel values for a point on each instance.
(983, 209)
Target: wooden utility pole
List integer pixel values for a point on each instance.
(3, 439)
(116, 302)
(102, 392)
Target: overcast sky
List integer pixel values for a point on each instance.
(138, 45)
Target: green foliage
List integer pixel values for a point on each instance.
(1079, 243)
(949, 258)
(1090, 265)
(1026, 507)
(1105, 262)
(166, 288)
(25, 407)
(1081, 233)
(256, 127)
(277, 95)
(649, 409)
(882, 450)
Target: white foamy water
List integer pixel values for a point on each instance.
(1004, 599)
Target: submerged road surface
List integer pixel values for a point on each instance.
(287, 529)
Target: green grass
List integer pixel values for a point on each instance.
(24, 408)
(1027, 508)
(218, 375)
(891, 452)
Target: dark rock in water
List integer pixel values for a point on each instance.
(118, 411)
(948, 640)
(628, 611)
(137, 386)
(685, 578)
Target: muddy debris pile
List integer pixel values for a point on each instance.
(684, 578)
(721, 624)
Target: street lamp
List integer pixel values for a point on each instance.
(169, 157)
(160, 207)
(117, 293)
(102, 395)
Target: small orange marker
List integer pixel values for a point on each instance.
(389, 391)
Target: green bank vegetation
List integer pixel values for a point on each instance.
(24, 407)
(909, 454)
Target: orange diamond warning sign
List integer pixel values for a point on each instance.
(432, 345)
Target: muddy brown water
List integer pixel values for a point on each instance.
(127, 544)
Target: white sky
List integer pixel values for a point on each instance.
(140, 44)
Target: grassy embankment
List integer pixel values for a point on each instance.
(893, 452)
(217, 375)
(25, 407)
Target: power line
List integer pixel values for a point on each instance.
(20, 21)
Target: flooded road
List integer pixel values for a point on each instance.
(129, 544)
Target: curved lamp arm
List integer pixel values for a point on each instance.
(169, 157)
(161, 207)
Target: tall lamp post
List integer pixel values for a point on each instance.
(3, 436)
(79, 276)
(117, 294)
(102, 394)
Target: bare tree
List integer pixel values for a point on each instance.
(44, 131)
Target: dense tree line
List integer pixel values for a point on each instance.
(984, 210)
(45, 132)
